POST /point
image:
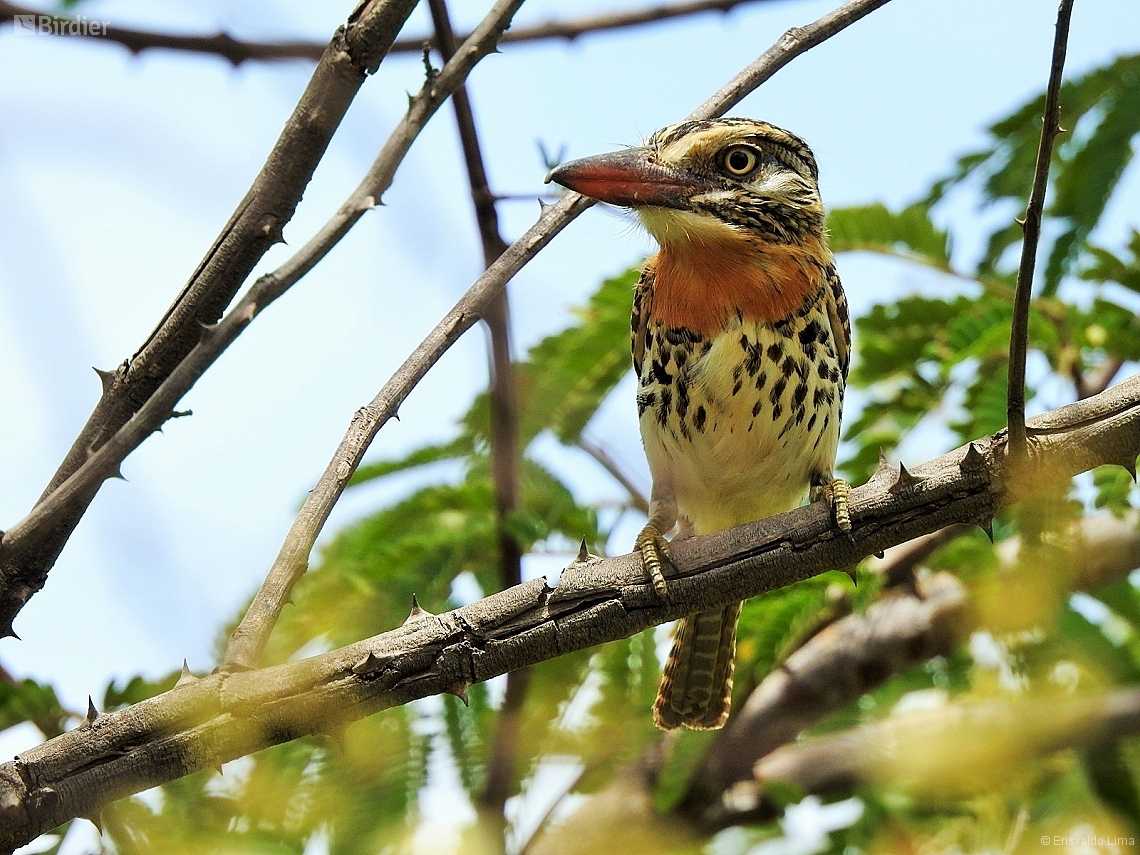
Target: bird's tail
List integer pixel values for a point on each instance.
(696, 690)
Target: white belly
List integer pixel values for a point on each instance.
(740, 430)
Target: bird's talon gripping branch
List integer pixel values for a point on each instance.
(654, 551)
(837, 495)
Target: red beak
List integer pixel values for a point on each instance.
(628, 178)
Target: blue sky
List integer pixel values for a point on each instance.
(117, 172)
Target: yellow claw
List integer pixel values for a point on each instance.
(654, 550)
(836, 493)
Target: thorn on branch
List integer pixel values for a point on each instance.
(459, 689)
(370, 664)
(92, 713)
(271, 228)
(107, 378)
(904, 481)
(972, 459)
(417, 612)
(883, 467)
(95, 821)
(988, 527)
(186, 677)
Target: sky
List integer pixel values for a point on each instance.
(118, 171)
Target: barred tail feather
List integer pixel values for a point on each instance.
(696, 690)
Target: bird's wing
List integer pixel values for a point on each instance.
(837, 315)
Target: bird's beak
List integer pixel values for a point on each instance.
(629, 178)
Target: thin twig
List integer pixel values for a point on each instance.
(551, 809)
(105, 462)
(504, 434)
(224, 716)
(354, 52)
(247, 641)
(1031, 229)
(238, 51)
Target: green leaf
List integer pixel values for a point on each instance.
(1107, 267)
(1089, 176)
(1102, 110)
(458, 448)
(135, 690)
(986, 401)
(27, 700)
(1114, 489)
(571, 373)
(908, 233)
(566, 376)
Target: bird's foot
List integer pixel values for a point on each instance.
(654, 551)
(836, 493)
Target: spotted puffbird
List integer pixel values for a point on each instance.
(741, 344)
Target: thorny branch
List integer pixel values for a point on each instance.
(354, 52)
(1031, 228)
(238, 51)
(224, 716)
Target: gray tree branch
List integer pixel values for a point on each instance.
(846, 660)
(224, 716)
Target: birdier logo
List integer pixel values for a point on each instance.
(49, 25)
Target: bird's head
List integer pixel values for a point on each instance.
(713, 181)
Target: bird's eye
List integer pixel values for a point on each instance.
(739, 160)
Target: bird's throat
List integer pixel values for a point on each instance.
(700, 286)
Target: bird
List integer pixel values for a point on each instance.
(741, 343)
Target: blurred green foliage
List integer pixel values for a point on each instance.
(930, 369)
